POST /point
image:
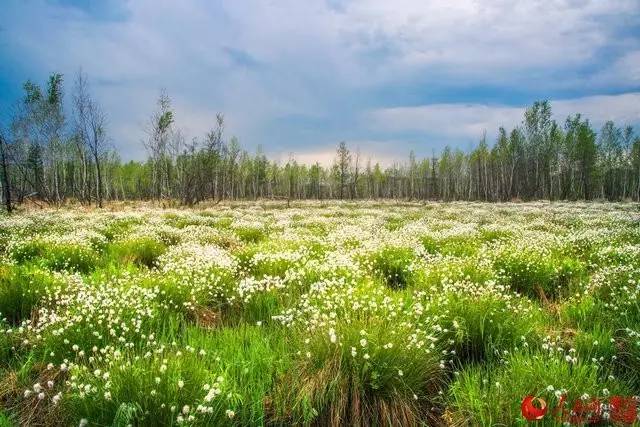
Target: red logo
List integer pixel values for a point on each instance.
(530, 411)
(621, 409)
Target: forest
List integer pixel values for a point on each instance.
(51, 154)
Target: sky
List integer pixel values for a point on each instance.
(297, 77)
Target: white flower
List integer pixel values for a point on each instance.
(363, 342)
(332, 335)
(211, 394)
(83, 422)
(230, 413)
(180, 384)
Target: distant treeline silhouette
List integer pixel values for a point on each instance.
(51, 155)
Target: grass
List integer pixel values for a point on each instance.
(490, 396)
(22, 288)
(359, 314)
(141, 251)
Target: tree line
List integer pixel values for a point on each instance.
(49, 155)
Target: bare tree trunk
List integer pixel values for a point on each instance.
(6, 188)
(98, 180)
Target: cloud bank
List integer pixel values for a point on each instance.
(298, 77)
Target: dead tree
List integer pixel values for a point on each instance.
(4, 168)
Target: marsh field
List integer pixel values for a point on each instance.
(317, 314)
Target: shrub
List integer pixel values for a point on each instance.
(119, 227)
(21, 290)
(394, 266)
(610, 298)
(213, 288)
(446, 270)
(535, 273)
(459, 246)
(56, 256)
(627, 361)
(141, 251)
(484, 324)
(251, 234)
(363, 376)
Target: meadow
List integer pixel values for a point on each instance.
(316, 314)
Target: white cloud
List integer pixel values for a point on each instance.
(469, 121)
(325, 156)
(259, 61)
(494, 40)
(385, 152)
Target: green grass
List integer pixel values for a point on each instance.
(490, 396)
(394, 266)
(141, 251)
(365, 314)
(21, 290)
(56, 256)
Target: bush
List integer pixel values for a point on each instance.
(610, 298)
(530, 272)
(628, 357)
(483, 325)
(459, 246)
(446, 270)
(365, 376)
(56, 256)
(251, 234)
(394, 266)
(119, 227)
(21, 290)
(142, 251)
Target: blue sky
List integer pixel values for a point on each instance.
(300, 76)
